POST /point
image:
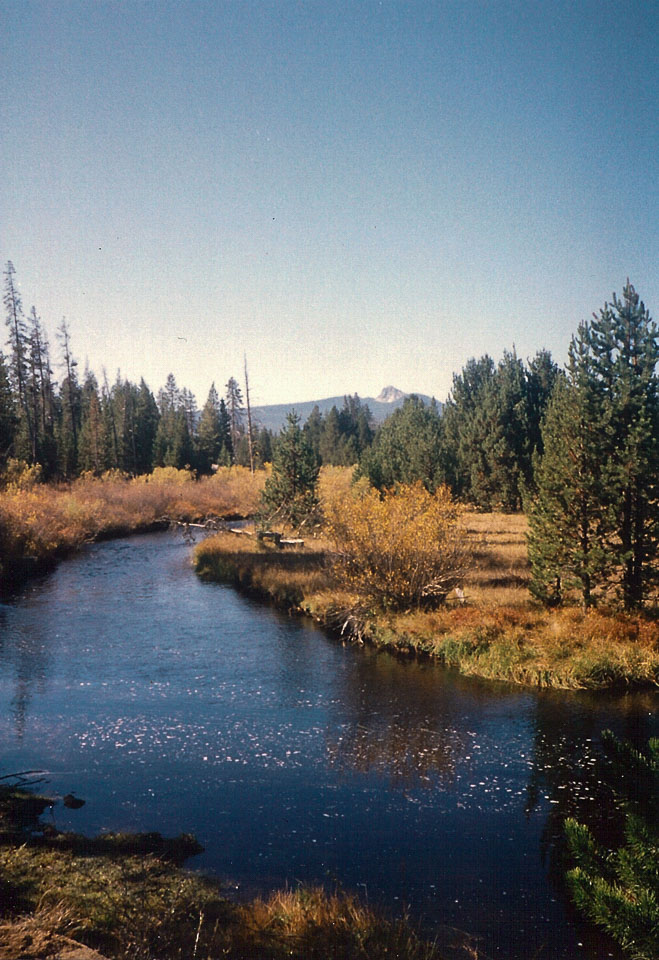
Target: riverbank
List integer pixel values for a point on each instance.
(41, 523)
(129, 896)
(498, 633)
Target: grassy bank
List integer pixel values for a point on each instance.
(498, 633)
(40, 523)
(128, 897)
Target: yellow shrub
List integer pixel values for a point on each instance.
(334, 483)
(19, 475)
(405, 549)
(162, 475)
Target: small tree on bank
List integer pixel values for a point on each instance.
(289, 496)
(404, 549)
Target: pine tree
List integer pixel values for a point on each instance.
(19, 347)
(225, 456)
(499, 439)
(458, 423)
(289, 496)
(70, 409)
(406, 448)
(264, 444)
(42, 397)
(313, 430)
(330, 446)
(541, 376)
(208, 432)
(172, 446)
(617, 886)
(8, 417)
(571, 522)
(626, 352)
(235, 410)
(146, 425)
(93, 444)
(596, 516)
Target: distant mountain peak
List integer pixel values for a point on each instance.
(390, 395)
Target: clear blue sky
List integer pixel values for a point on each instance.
(353, 194)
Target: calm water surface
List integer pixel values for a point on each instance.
(174, 705)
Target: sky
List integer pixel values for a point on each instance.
(348, 194)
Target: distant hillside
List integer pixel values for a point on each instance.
(273, 416)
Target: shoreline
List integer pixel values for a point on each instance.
(130, 894)
(524, 644)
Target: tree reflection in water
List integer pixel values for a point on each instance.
(406, 726)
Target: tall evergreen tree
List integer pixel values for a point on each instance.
(235, 410)
(499, 438)
(491, 428)
(8, 417)
(172, 445)
(42, 397)
(571, 521)
(93, 444)
(19, 349)
(313, 430)
(264, 446)
(407, 447)
(458, 422)
(541, 376)
(145, 427)
(331, 445)
(596, 516)
(208, 432)
(626, 351)
(225, 456)
(70, 408)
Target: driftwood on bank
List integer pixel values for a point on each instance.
(278, 539)
(215, 524)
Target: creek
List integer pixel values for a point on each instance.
(174, 705)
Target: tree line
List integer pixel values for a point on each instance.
(79, 425)
(577, 448)
(75, 424)
(482, 445)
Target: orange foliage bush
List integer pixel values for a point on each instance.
(402, 550)
(39, 521)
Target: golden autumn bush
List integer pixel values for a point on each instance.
(404, 549)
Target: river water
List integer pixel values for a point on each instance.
(173, 705)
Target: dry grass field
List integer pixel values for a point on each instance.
(499, 573)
